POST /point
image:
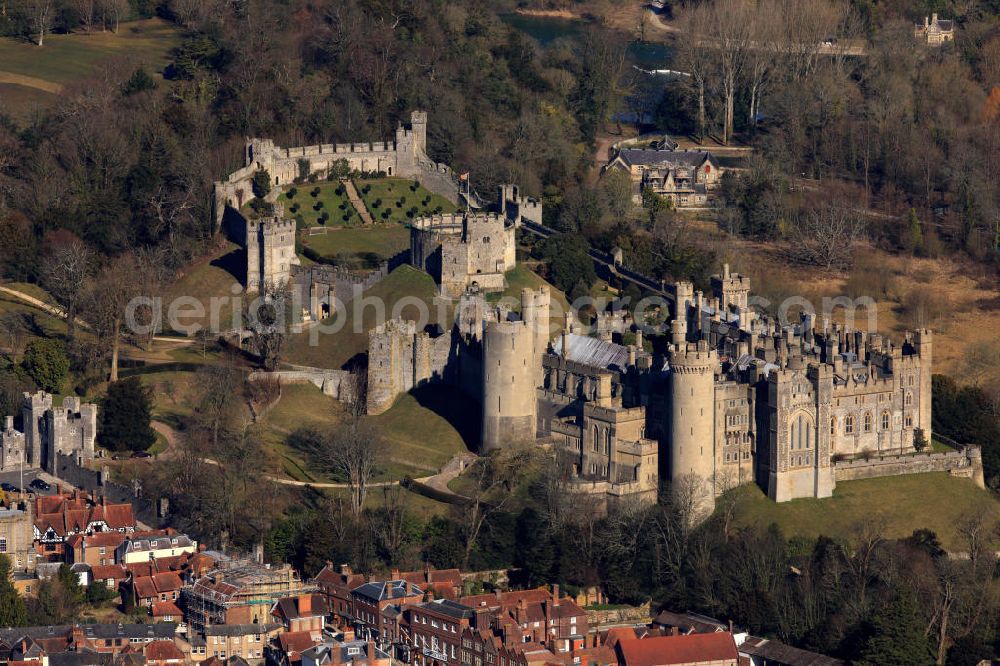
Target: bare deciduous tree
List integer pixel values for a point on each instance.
(65, 273)
(354, 452)
(15, 331)
(40, 14)
(826, 235)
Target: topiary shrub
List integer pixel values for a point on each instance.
(292, 191)
(318, 205)
(346, 217)
(415, 186)
(315, 192)
(386, 214)
(377, 203)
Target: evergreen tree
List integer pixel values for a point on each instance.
(13, 612)
(896, 637)
(261, 184)
(46, 363)
(914, 239)
(536, 553)
(125, 415)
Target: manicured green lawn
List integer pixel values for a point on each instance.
(318, 348)
(383, 198)
(346, 244)
(306, 203)
(935, 501)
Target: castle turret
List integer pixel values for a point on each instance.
(33, 410)
(922, 341)
(510, 406)
(732, 289)
(692, 425)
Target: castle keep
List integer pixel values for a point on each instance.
(48, 430)
(735, 398)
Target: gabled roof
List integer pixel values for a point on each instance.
(776, 652)
(240, 629)
(384, 590)
(104, 539)
(163, 651)
(290, 608)
(294, 643)
(668, 650)
(166, 609)
(160, 631)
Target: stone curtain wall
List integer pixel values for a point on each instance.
(337, 384)
(69, 470)
(966, 463)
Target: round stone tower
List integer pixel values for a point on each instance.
(509, 402)
(692, 423)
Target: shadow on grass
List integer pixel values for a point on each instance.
(234, 263)
(456, 407)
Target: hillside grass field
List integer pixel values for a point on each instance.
(389, 199)
(307, 208)
(936, 501)
(33, 77)
(216, 276)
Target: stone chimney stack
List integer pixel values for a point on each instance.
(8, 423)
(555, 594)
(305, 604)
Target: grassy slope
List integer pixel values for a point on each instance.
(210, 277)
(31, 75)
(332, 350)
(936, 501)
(306, 204)
(390, 190)
(384, 240)
(426, 429)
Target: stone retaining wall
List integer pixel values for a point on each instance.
(337, 384)
(966, 463)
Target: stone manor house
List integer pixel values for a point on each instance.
(722, 396)
(47, 430)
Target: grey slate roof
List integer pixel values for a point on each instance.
(779, 654)
(393, 589)
(449, 608)
(354, 650)
(593, 352)
(159, 631)
(648, 157)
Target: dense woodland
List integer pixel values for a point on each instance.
(115, 179)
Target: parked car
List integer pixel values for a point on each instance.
(9, 488)
(142, 454)
(39, 484)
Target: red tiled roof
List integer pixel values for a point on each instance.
(148, 587)
(162, 651)
(507, 600)
(108, 571)
(295, 642)
(104, 539)
(73, 512)
(166, 609)
(668, 650)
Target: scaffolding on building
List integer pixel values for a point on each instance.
(237, 583)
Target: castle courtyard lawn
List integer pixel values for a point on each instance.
(32, 77)
(390, 190)
(302, 204)
(935, 501)
(316, 348)
(382, 240)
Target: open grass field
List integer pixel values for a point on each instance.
(389, 199)
(383, 241)
(31, 77)
(935, 501)
(314, 347)
(307, 208)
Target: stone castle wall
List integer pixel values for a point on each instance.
(966, 463)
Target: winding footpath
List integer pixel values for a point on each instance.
(438, 481)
